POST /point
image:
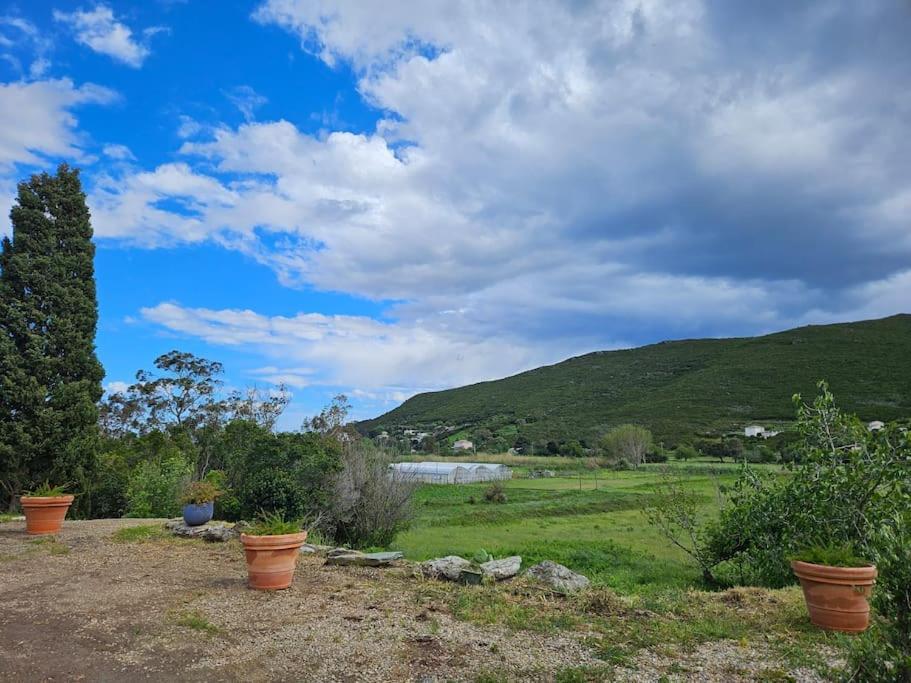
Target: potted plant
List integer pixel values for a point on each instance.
(44, 508)
(198, 502)
(271, 546)
(836, 586)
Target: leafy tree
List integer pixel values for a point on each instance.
(522, 444)
(183, 394)
(183, 397)
(628, 442)
(731, 447)
(684, 452)
(848, 485)
(332, 420)
(288, 472)
(573, 449)
(50, 377)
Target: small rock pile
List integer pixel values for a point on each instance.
(555, 576)
(210, 531)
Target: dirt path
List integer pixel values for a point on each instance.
(89, 607)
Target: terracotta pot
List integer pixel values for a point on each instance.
(837, 597)
(44, 514)
(271, 559)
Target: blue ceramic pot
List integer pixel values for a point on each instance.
(194, 515)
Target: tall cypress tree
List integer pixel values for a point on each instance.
(50, 377)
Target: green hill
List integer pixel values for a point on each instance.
(679, 388)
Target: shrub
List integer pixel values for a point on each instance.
(832, 555)
(46, 490)
(629, 442)
(846, 486)
(685, 451)
(272, 524)
(368, 503)
(883, 653)
(495, 493)
(199, 492)
(109, 486)
(154, 486)
(289, 472)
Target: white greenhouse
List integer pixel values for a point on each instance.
(450, 472)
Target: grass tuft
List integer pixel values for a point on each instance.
(147, 532)
(198, 622)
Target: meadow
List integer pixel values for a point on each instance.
(590, 520)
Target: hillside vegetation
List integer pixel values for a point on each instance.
(680, 388)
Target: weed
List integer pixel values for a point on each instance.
(198, 622)
(50, 544)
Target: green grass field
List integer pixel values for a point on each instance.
(590, 521)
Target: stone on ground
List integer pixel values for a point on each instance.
(355, 558)
(559, 578)
(502, 569)
(210, 531)
(316, 549)
(449, 567)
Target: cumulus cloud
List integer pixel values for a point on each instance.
(561, 176)
(99, 30)
(37, 123)
(352, 351)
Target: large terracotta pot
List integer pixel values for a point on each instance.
(44, 514)
(271, 559)
(837, 597)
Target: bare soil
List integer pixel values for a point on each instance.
(85, 606)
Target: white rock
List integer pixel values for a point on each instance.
(449, 567)
(558, 577)
(502, 569)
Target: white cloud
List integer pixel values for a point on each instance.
(351, 351)
(549, 178)
(37, 123)
(17, 32)
(116, 387)
(118, 152)
(246, 99)
(99, 30)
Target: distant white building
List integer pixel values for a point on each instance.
(450, 472)
(761, 432)
(876, 425)
(463, 445)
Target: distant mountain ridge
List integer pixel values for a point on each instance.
(678, 388)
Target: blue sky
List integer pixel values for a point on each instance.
(385, 198)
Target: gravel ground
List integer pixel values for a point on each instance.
(85, 607)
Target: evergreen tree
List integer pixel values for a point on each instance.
(50, 378)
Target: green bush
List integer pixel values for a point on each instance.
(273, 524)
(845, 487)
(155, 485)
(109, 487)
(883, 654)
(199, 493)
(288, 473)
(833, 555)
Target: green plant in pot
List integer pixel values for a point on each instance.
(45, 508)
(271, 547)
(837, 585)
(198, 502)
